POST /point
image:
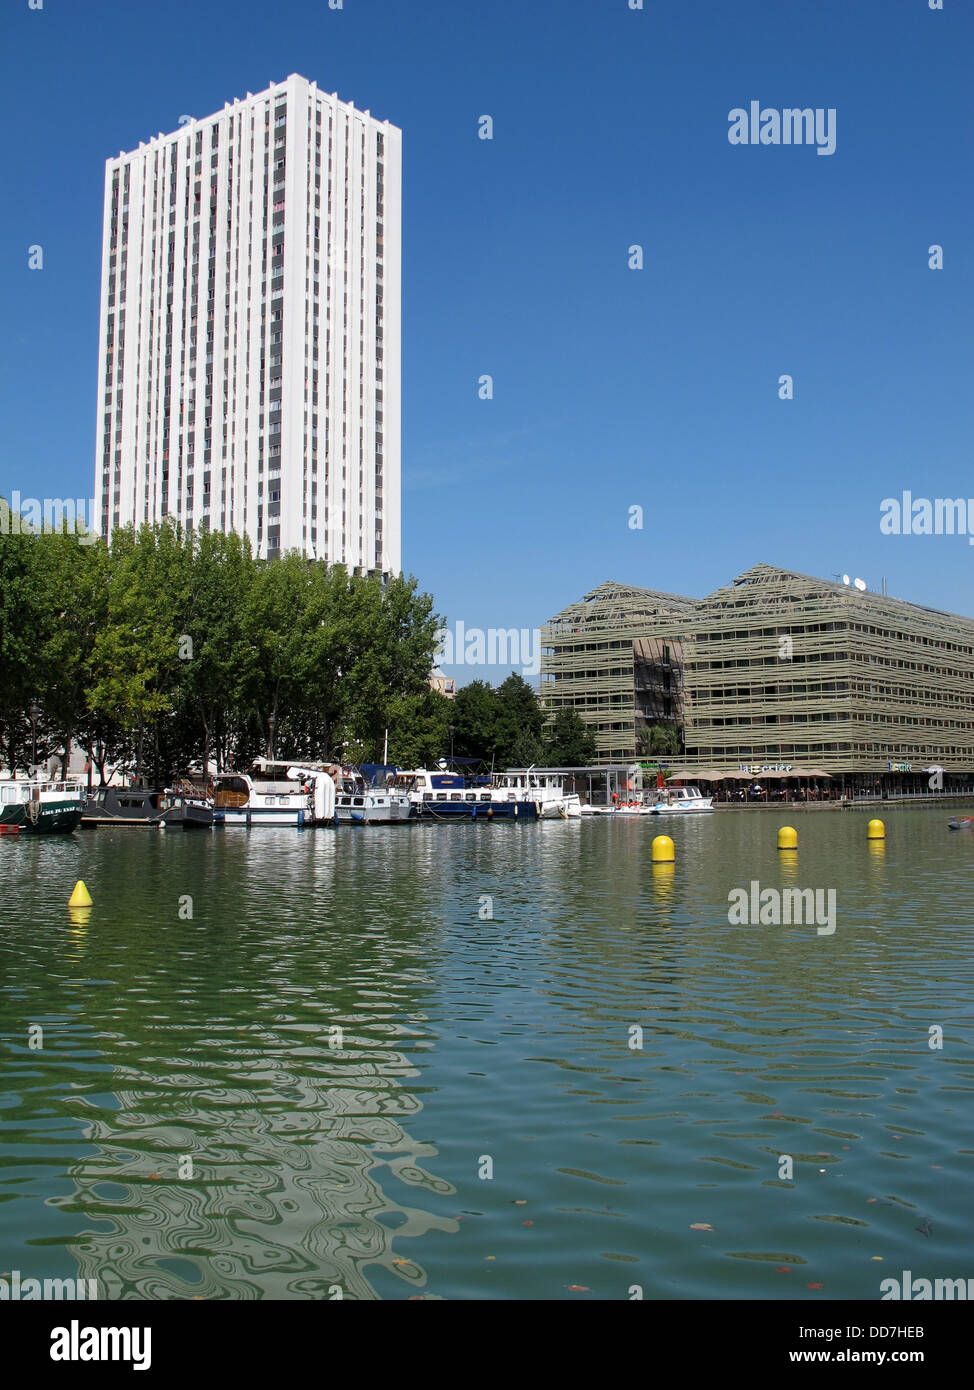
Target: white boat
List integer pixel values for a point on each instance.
(357, 803)
(669, 802)
(678, 801)
(545, 789)
(436, 794)
(264, 799)
(320, 780)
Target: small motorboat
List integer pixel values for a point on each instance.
(678, 801)
(960, 822)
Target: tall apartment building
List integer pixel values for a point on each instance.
(249, 357)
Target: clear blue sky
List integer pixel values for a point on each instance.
(613, 387)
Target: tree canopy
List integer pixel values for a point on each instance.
(506, 727)
(167, 648)
(170, 649)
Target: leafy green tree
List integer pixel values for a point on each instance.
(419, 729)
(569, 741)
(391, 657)
(476, 714)
(23, 624)
(212, 644)
(136, 653)
(168, 648)
(73, 580)
(661, 739)
(285, 643)
(520, 724)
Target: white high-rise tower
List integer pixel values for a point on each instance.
(249, 357)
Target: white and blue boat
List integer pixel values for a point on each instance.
(439, 795)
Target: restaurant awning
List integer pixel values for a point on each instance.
(695, 774)
(708, 774)
(715, 774)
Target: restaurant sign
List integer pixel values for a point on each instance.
(753, 768)
(901, 767)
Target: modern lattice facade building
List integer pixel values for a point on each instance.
(776, 669)
(614, 657)
(249, 365)
(783, 668)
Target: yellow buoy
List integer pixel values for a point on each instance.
(662, 850)
(787, 837)
(875, 830)
(80, 897)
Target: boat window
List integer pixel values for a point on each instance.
(427, 796)
(455, 796)
(283, 801)
(268, 801)
(440, 796)
(511, 796)
(358, 801)
(471, 796)
(485, 796)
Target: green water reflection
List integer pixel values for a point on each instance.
(196, 1126)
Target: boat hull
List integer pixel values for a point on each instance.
(479, 811)
(190, 818)
(373, 809)
(561, 808)
(252, 817)
(52, 818)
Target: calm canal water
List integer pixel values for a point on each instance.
(469, 1041)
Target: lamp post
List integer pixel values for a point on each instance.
(35, 714)
(453, 730)
(271, 726)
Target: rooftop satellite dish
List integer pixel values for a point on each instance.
(860, 584)
(845, 579)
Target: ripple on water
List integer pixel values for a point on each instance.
(194, 1126)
